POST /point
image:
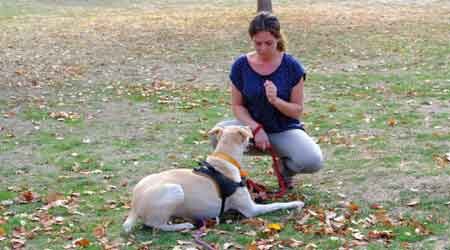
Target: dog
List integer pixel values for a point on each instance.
(183, 193)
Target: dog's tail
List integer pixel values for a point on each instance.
(130, 221)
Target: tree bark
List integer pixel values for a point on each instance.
(264, 5)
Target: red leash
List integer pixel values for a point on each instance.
(198, 235)
(260, 189)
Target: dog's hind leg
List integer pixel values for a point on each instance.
(164, 201)
(129, 223)
(132, 217)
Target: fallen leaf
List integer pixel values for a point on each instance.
(172, 156)
(124, 183)
(358, 236)
(442, 160)
(19, 232)
(147, 242)
(392, 122)
(311, 212)
(99, 231)
(447, 157)
(381, 235)
(265, 244)
(413, 202)
(355, 243)
(227, 245)
(275, 227)
(332, 108)
(252, 246)
(257, 222)
(376, 206)
(420, 228)
(210, 223)
(323, 139)
(2, 232)
(19, 72)
(54, 196)
(292, 243)
(353, 207)
(17, 244)
(405, 245)
(342, 196)
(310, 246)
(250, 233)
(61, 115)
(304, 219)
(382, 217)
(27, 196)
(9, 114)
(183, 242)
(82, 242)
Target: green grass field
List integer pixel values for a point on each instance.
(94, 95)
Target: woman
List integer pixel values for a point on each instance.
(267, 95)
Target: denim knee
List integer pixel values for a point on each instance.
(315, 163)
(310, 163)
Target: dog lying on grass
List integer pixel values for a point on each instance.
(194, 195)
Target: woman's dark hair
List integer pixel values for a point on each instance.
(265, 21)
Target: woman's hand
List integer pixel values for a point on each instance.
(271, 91)
(262, 140)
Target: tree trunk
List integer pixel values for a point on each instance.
(264, 5)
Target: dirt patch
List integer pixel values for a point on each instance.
(430, 107)
(113, 47)
(380, 187)
(123, 119)
(389, 188)
(18, 127)
(22, 162)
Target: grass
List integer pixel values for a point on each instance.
(148, 81)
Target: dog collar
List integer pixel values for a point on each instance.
(228, 158)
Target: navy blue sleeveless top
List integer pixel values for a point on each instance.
(251, 85)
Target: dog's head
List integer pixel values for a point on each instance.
(232, 137)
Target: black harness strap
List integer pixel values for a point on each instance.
(227, 187)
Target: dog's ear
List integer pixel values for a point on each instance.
(217, 131)
(246, 132)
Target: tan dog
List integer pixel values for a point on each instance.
(183, 193)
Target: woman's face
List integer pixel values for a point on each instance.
(265, 44)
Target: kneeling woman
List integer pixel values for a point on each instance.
(267, 95)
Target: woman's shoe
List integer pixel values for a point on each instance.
(287, 177)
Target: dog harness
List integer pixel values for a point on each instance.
(226, 186)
